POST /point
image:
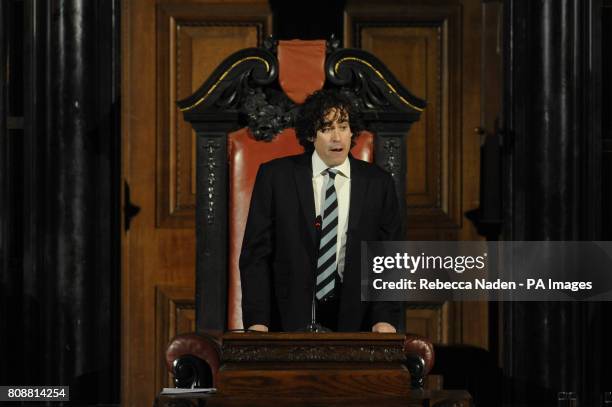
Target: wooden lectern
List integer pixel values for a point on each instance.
(307, 364)
(319, 369)
(314, 369)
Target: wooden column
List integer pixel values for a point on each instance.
(552, 182)
(67, 206)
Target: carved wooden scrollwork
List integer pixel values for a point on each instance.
(227, 87)
(369, 81)
(245, 84)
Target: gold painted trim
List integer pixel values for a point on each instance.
(381, 77)
(213, 87)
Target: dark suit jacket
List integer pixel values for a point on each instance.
(279, 250)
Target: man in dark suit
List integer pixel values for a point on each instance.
(308, 216)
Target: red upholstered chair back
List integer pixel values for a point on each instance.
(245, 156)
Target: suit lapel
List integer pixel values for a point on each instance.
(303, 183)
(352, 275)
(359, 188)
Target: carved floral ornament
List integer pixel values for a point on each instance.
(211, 166)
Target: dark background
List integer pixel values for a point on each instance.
(60, 212)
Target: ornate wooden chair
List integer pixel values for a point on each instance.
(242, 116)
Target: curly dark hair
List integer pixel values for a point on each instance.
(311, 117)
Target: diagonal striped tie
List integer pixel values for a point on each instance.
(326, 264)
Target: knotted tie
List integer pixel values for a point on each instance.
(326, 264)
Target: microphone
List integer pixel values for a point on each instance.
(314, 326)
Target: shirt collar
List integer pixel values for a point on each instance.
(318, 166)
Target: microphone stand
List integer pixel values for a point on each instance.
(314, 326)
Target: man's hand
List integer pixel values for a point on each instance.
(260, 328)
(384, 328)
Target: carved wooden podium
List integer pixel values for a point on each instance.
(307, 364)
(326, 369)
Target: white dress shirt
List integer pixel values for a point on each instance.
(343, 193)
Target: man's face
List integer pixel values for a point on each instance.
(333, 141)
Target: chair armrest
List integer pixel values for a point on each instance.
(194, 359)
(420, 358)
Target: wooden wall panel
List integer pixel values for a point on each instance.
(168, 48)
(413, 54)
(429, 320)
(422, 51)
(191, 42)
(174, 314)
(433, 48)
